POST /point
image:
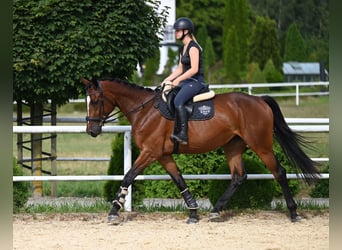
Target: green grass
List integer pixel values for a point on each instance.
(104, 207)
(97, 207)
(82, 145)
(309, 107)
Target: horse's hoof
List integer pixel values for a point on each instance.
(215, 217)
(192, 221)
(296, 218)
(114, 220)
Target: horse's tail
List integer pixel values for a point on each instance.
(291, 143)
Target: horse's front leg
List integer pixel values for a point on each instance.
(139, 165)
(119, 201)
(169, 164)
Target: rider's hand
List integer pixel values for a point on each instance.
(175, 83)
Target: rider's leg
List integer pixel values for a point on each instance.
(188, 89)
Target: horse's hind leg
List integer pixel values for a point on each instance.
(170, 166)
(233, 151)
(291, 204)
(279, 173)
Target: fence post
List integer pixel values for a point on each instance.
(297, 94)
(250, 89)
(127, 167)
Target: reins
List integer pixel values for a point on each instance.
(140, 107)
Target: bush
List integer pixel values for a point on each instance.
(321, 188)
(20, 189)
(251, 193)
(188, 164)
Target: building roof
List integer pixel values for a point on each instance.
(299, 68)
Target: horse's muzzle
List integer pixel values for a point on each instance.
(94, 130)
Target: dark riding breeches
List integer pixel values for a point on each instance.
(188, 89)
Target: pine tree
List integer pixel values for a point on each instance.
(271, 74)
(231, 57)
(254, 74)
(294, 45)
(242, 25)
(236, 15)
(209, 57)
(265, 44)
(201, 36)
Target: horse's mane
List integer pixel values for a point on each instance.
(127, 83)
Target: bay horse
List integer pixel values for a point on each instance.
(240, 121)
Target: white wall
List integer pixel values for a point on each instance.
(169, 36)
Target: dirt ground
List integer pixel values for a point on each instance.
(269, 230)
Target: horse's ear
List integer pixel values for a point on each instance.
(85, 81)
(95, 82)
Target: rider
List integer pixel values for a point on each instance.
(189, 75)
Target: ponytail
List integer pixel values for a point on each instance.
(194, 38)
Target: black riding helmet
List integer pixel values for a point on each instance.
(184, 23)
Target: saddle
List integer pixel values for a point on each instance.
(200, 108)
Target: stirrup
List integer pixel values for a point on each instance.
(178, 139)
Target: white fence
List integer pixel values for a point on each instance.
(128, 154)
(297, 85)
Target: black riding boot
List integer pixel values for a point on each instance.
(181, 134)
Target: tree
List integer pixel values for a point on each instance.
(271, 74)
(58, 42)
(208, 13)
(311, 17)
(236, 14)
(209, 58)
(254, 74)
(294, 45)
(201, 36)
(264, 43)
(231, 57)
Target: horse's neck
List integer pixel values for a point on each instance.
(131, 101)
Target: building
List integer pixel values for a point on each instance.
(169, 39)
(304, 72)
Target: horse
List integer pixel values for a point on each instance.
(240, 121)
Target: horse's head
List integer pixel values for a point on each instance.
(96, 110)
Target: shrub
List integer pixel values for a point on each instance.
(321, 188)
(20, 189)
(188, 164)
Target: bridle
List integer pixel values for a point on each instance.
(102, 118)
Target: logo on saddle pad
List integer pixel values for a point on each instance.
(204, 109)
